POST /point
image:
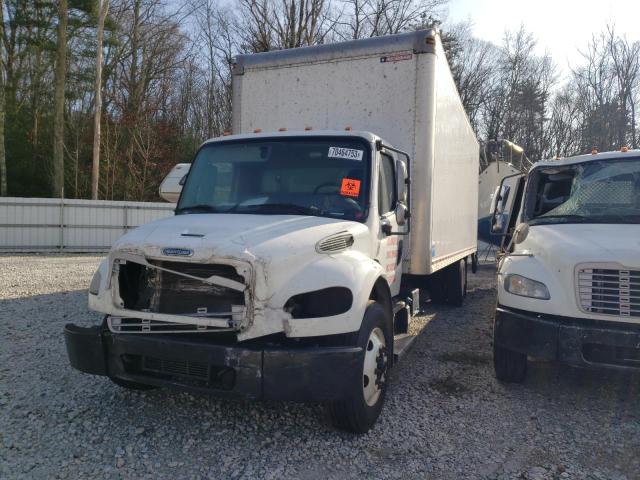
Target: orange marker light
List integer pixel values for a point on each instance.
(282, 129)
(257, 130)
(594, 151)
(348, 129)
(226, 134)
(624, 149)
(306, 129)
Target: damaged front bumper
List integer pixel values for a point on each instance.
(201, 364)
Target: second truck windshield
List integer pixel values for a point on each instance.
(606, 191)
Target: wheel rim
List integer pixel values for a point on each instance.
(375, 367)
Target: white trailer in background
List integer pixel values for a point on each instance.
(290, 267)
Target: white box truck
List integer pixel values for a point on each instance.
(286, 271)
(569, 276)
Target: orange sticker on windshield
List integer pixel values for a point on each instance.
(350, 187)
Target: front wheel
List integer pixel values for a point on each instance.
(360, 410)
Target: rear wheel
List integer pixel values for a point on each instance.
(449, 285)
(361, 408)
(456, 281)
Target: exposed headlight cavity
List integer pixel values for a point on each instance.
(525, 287)
(320, 303)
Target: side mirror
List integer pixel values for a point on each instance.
(498, 219)
(402, 213)
(401, 181)
(171, 186)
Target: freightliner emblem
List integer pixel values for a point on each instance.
(179, 252)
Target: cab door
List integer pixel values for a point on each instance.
(507, 201)
(390, 246)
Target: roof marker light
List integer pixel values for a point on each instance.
(594, 151)
(226, 133)
(257, 130)
(624, 149)
(348, 129)
(282, 129)
(306, 129)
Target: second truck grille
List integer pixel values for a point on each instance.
(608, 291)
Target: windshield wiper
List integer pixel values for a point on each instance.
(281, 207)
(198, 208)
(570, 218)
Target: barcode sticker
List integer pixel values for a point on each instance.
(347, 153)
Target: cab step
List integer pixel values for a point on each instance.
(402, 344)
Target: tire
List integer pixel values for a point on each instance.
(509, 366)
(360, 409)
(132, 385)
(438, 287)
(456, 283)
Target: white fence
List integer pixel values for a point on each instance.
(45, 224)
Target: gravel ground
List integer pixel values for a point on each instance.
(445, 416)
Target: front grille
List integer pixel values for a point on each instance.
(609, 291)
(141, 325)
(185, 372)
(149, 289)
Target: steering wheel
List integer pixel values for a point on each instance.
(325, 185)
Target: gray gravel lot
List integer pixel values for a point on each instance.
(446, 416)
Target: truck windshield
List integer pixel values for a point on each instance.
(605, 191)
(318, 176)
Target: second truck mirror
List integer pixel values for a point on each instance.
(499, 210)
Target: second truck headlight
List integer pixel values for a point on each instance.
(525, 287)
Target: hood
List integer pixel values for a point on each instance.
(232, 235)
(578, 243)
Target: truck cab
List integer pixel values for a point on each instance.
(569, 276)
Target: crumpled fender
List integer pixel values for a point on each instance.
(350, 269)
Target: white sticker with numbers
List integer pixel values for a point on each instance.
(346, 153)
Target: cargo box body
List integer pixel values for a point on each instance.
(399, 88)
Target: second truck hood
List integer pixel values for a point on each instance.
(575, 243)
(232, 235)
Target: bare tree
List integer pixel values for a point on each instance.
(60, 78)
(103, 9)
(3, 161)
(372, 18)
(625, 59)
(271, 24)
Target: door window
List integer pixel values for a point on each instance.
(387, 195)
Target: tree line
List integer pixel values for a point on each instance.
(100, 98)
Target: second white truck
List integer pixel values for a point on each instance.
(299, 241)
(569, 279)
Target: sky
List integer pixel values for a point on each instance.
(561, 26)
